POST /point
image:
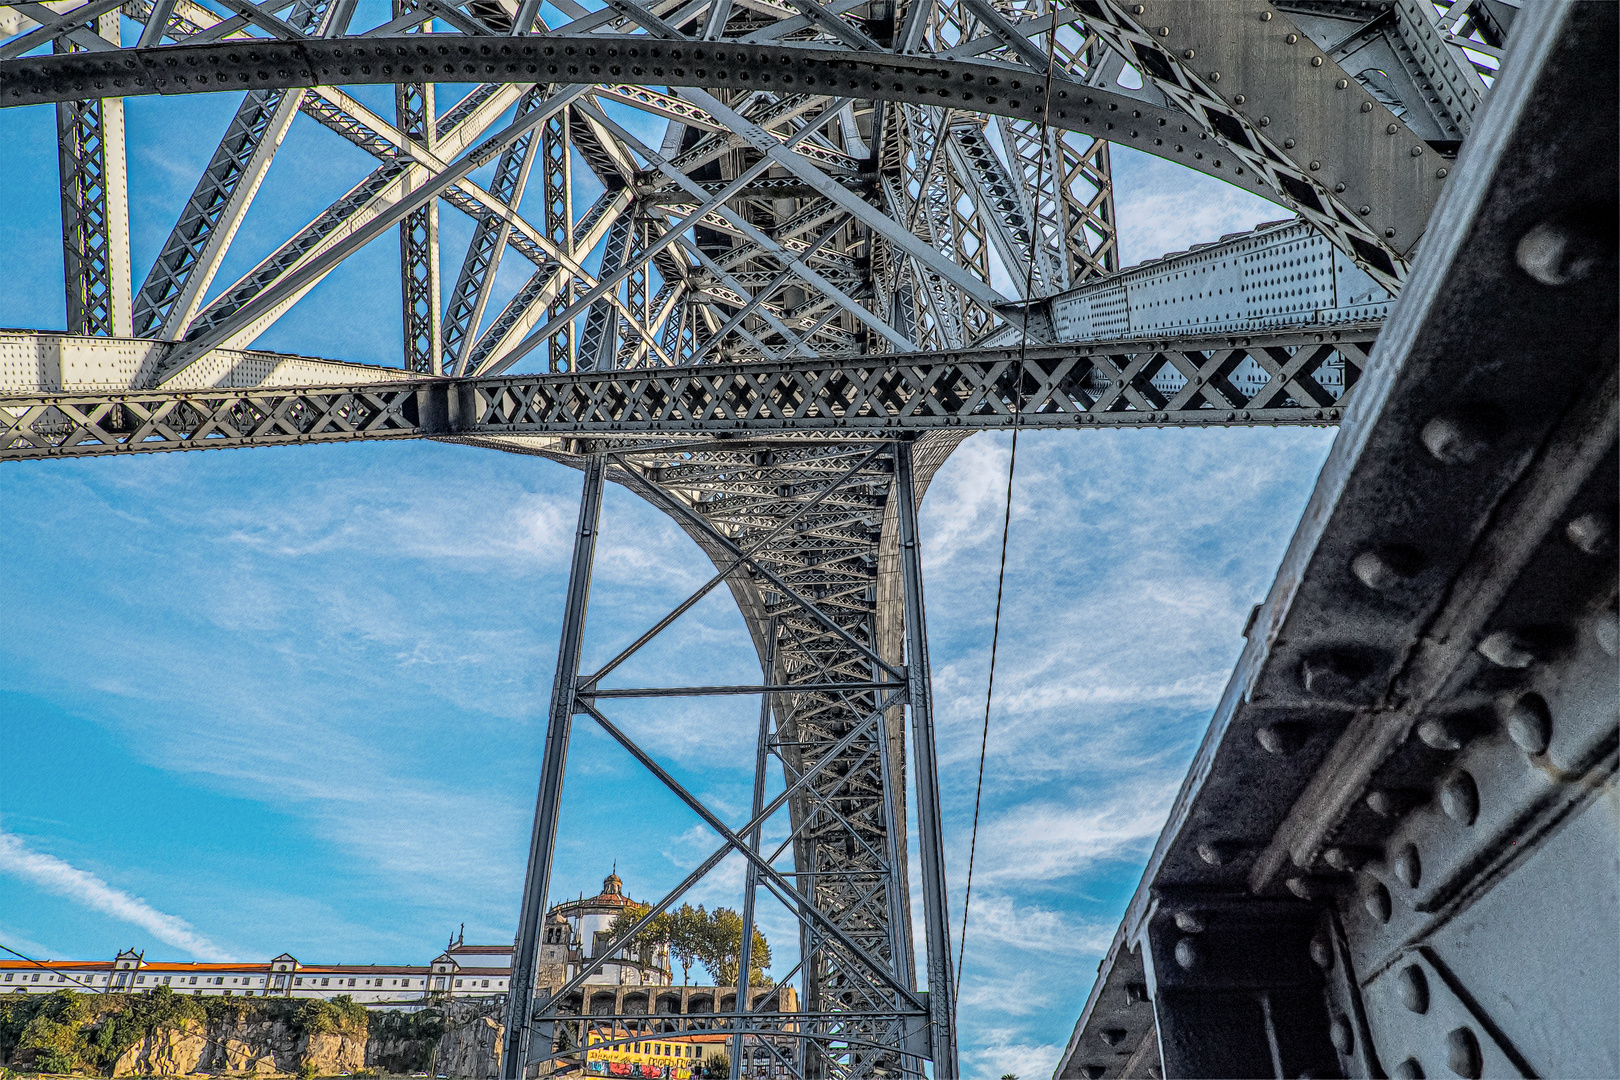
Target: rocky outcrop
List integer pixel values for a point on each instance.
(260, 1048)
(471, 1049)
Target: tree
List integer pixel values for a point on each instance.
(682, 931)
(722, 950)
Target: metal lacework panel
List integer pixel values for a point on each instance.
(848, 858)
(1302, 379)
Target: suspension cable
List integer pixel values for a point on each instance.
(1012, 467)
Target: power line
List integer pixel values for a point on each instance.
(1006, 520)
(47, 967)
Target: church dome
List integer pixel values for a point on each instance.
(612, 885)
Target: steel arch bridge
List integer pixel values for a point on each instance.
(846, 253)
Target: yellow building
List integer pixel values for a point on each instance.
(657, 1057)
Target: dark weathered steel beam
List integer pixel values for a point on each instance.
(1410, 777)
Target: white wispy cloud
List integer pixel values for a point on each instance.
(82, 887)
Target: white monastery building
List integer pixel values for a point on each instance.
(576, 931)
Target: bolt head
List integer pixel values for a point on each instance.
(1408, 866)
(1322, 952)
(1315, 165)
(1343, 83)
(1459, 438)
(1189, 921)
(1188, 954)
(1508, 649)
(1281, 739)
(1219, 852)
(1592, 534)
(1316, 61)
(1441, 733)
(1373, 571)
(1292, 39)
(1463, 1056)
(1459, 798)
(1412, 987)
(1188, 54)
(1567, 248)
(1339, 187)
(1375, 898)
(1529, 723)
(1343, 1038)
(1392, 129)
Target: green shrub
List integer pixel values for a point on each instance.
(306, 1071)
(717, 1064)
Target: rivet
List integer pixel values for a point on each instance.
(1376, 900)
(1592, 534)
(1459, 798)
(1214, 76)
(1606, 629)
(1240, 99)
(1412, 986)
(1315, 165)
(1189, 921)
(1507, 649)
(1292, 39)
(1281, 739)
(1265, 121)
(1392, 129)
(1366, 106)
(1441, 733)
(1322, 952)
(1303, 887)
(1408, 866)
(1375, 572)
(1366, 210)
(1316, 61)
(1138, 9)
(1219, 852)
(1417, 151)
(1188, 54)
(1410, 1069)
(1441, 174)
(1462, 1054)
(1112, 1036)
(1339, 188)
(1564, 249)
(1347, 857)
(1164, 31)
(1265, 16)
(1188, 954)
(1389, 234)
(1344, 1040)
(1333, 672)
(1342, 83)
(1458, 439)
(1529, 723)
(1391, 802)
(1288, 144)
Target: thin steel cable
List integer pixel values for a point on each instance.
(1006, 520)
(42, 964)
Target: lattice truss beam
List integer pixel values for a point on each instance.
(1284, 377)
(772, 221)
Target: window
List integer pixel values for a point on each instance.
(194, 980)
(351, 982)
(324, 981)
(458, 982)
(298, 982)
(486, 982)
(8, 976)
(166, 980)
(140, 978)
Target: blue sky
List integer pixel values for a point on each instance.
(291, 699)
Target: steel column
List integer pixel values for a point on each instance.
(925, 769)
(95, 207)
(537, 879)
